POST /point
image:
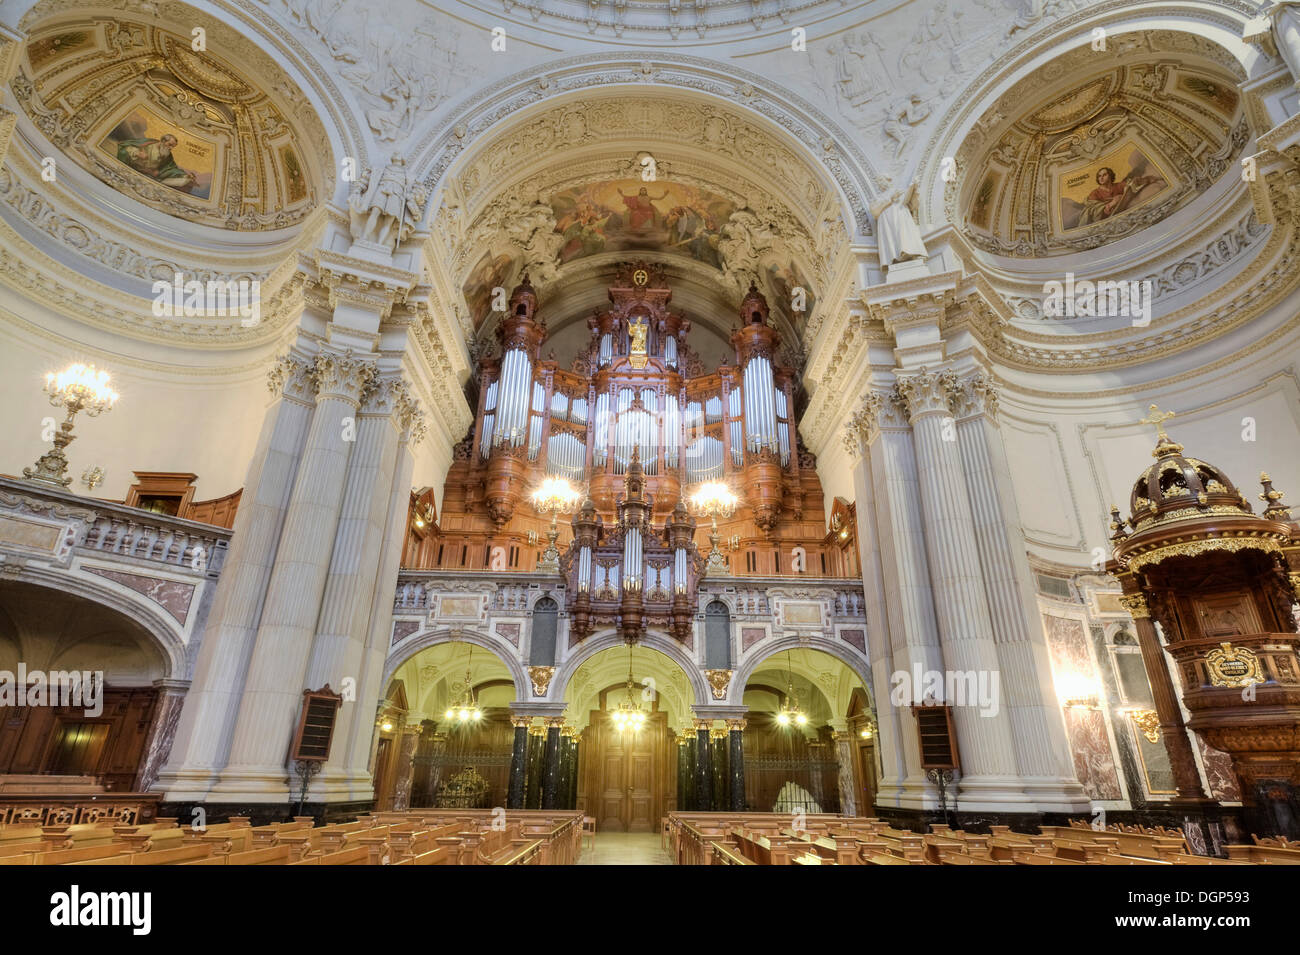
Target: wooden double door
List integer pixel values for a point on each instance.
(626, 775)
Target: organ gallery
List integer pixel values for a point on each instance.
(570, 433)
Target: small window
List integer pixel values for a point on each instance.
(541, 648)
(717, 636)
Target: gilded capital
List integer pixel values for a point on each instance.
(735, 726)
(1136, 605)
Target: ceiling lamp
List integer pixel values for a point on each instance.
(628, 715)
(465, 708)
(790, 714)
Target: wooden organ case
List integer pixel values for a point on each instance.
(634, 423)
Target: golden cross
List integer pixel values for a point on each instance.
(1158, 418)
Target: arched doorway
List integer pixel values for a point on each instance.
(100, 672)
(629, 780)
(807, 711)
(444, 733)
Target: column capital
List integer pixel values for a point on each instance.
(735, 726)
(927, 393)
(292, 376)
(1136, 605)
(878, 411)
(344, 376)
(554, 722)
(975, 395)
(520, 722)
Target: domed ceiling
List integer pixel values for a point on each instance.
(183, 131)
(1101, 156)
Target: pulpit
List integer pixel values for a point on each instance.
(1219, 583)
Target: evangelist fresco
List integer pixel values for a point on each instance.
(1097, 192)
(1095, 162)
(164, 152)
(179, 130)
(629, 214)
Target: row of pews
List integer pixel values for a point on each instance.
(413, 837)
(823, 839)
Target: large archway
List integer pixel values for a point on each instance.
(99, 672)
(809, 735)
(443, 733)
(628, 779)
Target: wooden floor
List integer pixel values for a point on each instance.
(624, 848)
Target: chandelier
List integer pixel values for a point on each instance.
(713, 500)
(790, 714)
(628, 715)
(465, 708)
(553, 496)
(76, 388)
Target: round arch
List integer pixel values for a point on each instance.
(857, 666)
(1213, 22)
(147, 616)
(653, 640)
(444, 151)
(503, 651)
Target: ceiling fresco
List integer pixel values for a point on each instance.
(1102, 159)
(182, 131)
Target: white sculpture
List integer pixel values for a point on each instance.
(387, 213)
(897, 235)
(1283, 18)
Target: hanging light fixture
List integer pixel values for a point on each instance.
(465, 708)
(628, 715)
(790, 714)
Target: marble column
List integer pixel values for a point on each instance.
(518, 762)
(905, 636)
(845, 764)
(721, 770)
(536, 765)
(162, 730)
(551, 761)
(575, 765)
(409, 419)
(1028, 692)
(273, 688)
(703, 767)
(344, 620)
(405, 756)
(736, 763)
(562, 782)
(989, 781)
(1173, 731)
(207, 720)
(424, 785)
(817, 767)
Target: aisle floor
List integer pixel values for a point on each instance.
(624, 848)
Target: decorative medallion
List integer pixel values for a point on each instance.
(1233, 666)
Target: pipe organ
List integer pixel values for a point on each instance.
(635, 420)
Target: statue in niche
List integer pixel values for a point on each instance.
(1280, 23)
(386, 214)
(897, 235)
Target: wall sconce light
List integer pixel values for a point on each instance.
(1077, 691)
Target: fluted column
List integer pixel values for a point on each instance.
(1038, 731)
(902, 631)
(273, 690)
(356, 733)
(989, 772)
(736, 763)
(344, 621)
(208, 718)
(518, 762)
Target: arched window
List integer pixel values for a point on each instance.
(541, 648)
(717, 636)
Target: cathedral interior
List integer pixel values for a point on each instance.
(753, 432)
